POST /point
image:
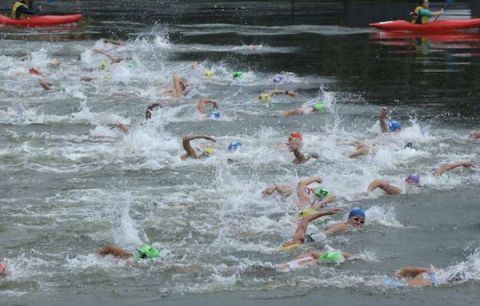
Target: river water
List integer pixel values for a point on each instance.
(70, 184)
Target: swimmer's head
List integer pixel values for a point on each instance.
(234, 146)
(209, 74)
(264, 98)
(394, 125)
(209, 151)
(322, 193)
(332, 257)
(215, 115)
(409, 145)
(319, 107)
(278, 78)
(295, 135)
(104, 65)
(35, 71)
(237, 74)
(148, 251)
(307, 212)
(356, 217)
(413, 179)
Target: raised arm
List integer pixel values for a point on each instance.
(383, 119)
(463, 163)
(188, 147)
(385, 186)
(302, 227)
(303, 197)
(203, 102)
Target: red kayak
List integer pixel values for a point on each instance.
(435, 26)
(40, 21)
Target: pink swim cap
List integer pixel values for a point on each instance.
(3, 267)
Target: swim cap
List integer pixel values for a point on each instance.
(237, 74)
(209, 74)
(278, 78)
(209, 150)
(148, 251)
(3, 267)
(356, 212)
(234, 146)
(322, 193)
(264, 98)
(394, 125)
(104, 65)
(319, 107)
(307, 212)
(333, 257)
(413, 179)
(295, 135)
(215, 115)
(35, 71)
(409, 145)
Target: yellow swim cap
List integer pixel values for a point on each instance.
(104, 65)
(307, 212)
(289, 247)
(209, 150)
(209, 74)
(264, 98)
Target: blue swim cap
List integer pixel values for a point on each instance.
(278, 78)
(215, 115)
(394, 125)
(234, 146)
(356, 212)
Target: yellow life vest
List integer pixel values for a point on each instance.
(15, 8)
(421, 19)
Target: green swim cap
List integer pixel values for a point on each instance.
(148, 251)
(319, 107)
(307, 212)
(265, 98)
(334, 257)
(322, 193)
(237, 74)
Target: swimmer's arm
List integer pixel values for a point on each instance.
(293, 112)
(383, 118)
(411, 271)
(150, 107)
(203, 102)
(385, 186)
(313, 254)
(299, 157)
(283, 190)
(275, 92)
(45, 84)
(121, 126)
(113, 42)
(114, 251)
(302, 184)
(361, 150)
(328, 199)
(463, 163)
(188, 147)
(302, 226)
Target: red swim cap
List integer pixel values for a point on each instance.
(35, 71)
(295, 135)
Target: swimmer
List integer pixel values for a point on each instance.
(356, 219)
(447, 167)
(268, 95)
(151, 108)
(305, 109)
(315, 198)
(235, 146)
(425, 277)
(392, 126)
(144, 252)
(180, 87)
(474, 135)
(121, 126)
(117, 127)
(113, 59)
(295, 144)
(301, 236)
(191, 152)
(312, 258)
(283, 190)
(201, 107)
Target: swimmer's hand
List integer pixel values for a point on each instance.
(333, 211)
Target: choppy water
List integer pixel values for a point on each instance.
(70, 184)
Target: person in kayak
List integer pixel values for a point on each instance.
(22, 9)
(422, 15)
